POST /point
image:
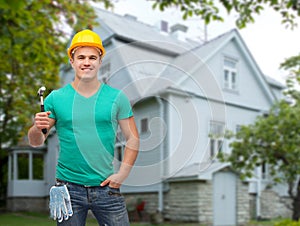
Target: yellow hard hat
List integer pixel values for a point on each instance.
(86, 38)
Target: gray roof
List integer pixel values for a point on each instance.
(130, 29)
(197, 171)
(274, 82)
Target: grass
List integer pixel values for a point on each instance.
(38, 219)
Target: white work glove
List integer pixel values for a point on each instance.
(60, 203)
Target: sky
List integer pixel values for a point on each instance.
(269, 42)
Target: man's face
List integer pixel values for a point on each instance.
(86, 63)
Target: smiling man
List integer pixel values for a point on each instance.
(86, 114)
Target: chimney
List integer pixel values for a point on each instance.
(163, 26)
(179, 31)
(131, 17)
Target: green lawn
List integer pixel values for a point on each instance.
(37, 219)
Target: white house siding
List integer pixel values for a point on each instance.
(186, 130)
(237, 116)
(118, 76)
(147, 172)
(252, 90)
(189, 131)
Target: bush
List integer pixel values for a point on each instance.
(288, 223)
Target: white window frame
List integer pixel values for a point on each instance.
(216, 136)
(230, 74)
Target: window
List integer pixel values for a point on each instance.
(26, 166)
(238, 128)
(144, 125)
(119, 149)
(119, 155)
(264, 171)
(230, 74)
(37, 166)
(216, 134)
(23, 166)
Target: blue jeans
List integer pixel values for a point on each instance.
(106, 203)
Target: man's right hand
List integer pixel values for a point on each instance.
(42, 120)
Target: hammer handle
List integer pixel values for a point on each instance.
(44, 131)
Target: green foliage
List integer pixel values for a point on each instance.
(288, 223)
(274, 140)
(292, 64)
(208, 10)
(32, 48)
(33, 45)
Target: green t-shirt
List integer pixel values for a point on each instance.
(86, 129)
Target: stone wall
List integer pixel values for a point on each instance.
(189, 201)
(274, 206)
(243, 203)
(28, 204)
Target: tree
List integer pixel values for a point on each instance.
(33, 46)
(208, 10)
(273, 141)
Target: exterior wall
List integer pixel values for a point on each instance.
(251, 84)
(147, 172)
(189, 201)
(31, 204)
(187, 132)
(252, 206)
(243, 203)
(274, 206)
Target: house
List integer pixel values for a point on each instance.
(184, 95)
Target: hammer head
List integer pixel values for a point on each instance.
(41, 90)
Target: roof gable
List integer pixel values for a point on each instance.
(210, 49)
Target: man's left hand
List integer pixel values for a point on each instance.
(114, 181)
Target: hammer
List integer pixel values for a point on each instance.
(40, 93)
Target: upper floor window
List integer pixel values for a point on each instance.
(230, 74)
(216, 133)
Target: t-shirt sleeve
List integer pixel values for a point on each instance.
(124, 107)
(48, 105)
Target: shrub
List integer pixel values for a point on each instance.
(288, 223)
